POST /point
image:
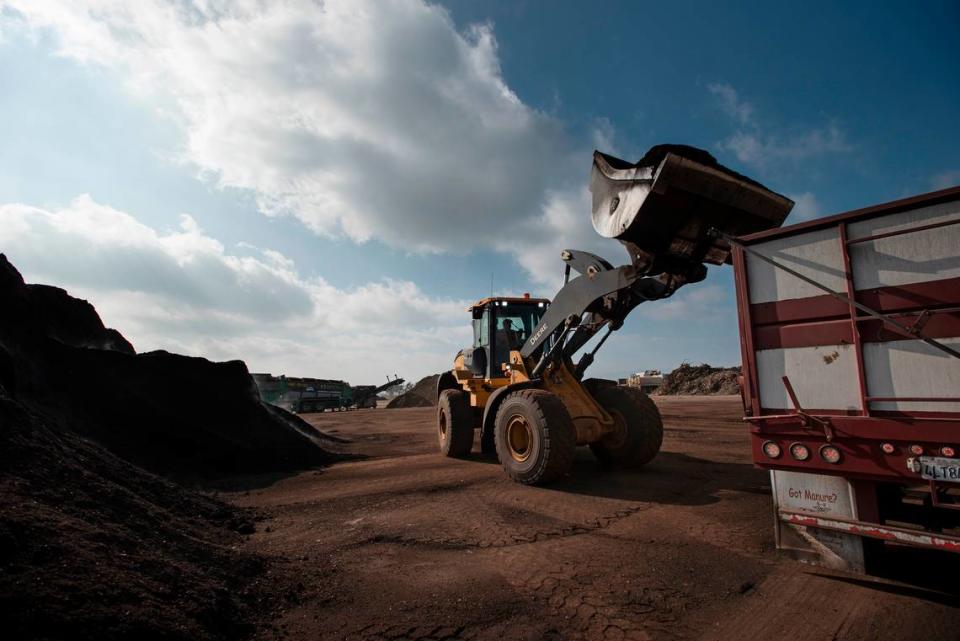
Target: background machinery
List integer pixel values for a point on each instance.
(519, 385)
(303, 395)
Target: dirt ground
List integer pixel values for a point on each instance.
(408, 545)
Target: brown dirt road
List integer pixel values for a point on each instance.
(409, 545)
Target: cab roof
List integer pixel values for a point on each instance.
(512, 300)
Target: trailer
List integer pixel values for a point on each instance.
(850, 338)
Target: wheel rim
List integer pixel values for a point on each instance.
(618, 436)
(443, 425)
(519, 438)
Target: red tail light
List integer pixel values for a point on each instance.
(830, 454)
(772, 449)
(799, 451)
(947, 451)
(916, 450)
(888, 448)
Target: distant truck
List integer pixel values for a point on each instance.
(647, 381)
(850, 331)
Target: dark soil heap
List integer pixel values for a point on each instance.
(93, 544)
(177, 415)
(423, 394)
(701, 379)
(92, 547)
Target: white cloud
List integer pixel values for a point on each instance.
(697, 301)
(561, 225)
(758, 144)
(364, 118)
(806, 207)
(760, 148)
(731, 103)
(184, 291)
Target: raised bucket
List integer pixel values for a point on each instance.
(662, 206)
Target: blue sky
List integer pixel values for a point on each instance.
(354, 173)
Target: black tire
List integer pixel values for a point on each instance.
(534, 436)
(639, 432)
(454, 423)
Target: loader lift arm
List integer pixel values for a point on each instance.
(601, 296)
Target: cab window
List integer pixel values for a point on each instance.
(481, 330)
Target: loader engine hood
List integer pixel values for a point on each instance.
(662, 207)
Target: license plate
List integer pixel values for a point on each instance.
(937, 468)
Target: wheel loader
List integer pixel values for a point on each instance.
(521, 384)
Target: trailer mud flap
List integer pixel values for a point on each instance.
(816, 495)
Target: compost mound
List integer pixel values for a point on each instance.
(185, 417)
(701, 379)
(94, 542)
(423, 394)
(92, 547)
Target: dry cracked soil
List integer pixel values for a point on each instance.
(405, 544)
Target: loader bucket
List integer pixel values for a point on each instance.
(662, 207)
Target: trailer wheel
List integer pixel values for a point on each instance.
(454, 423)
(534, 437)
(638, 434)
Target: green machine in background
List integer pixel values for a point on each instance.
(303, 395)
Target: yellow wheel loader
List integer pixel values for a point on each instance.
(519, 383)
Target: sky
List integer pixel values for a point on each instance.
(321, 188)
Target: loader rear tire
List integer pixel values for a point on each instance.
(534, 436)
(454, 423)
(639, 432)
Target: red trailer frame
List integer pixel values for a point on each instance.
(875, 444)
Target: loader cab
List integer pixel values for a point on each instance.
(500, 325)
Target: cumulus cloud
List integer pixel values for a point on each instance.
(806, 207)
(562, 224)
(184, 291)
(363, 118)
(695, 302)
(731, 103)
(756, 143)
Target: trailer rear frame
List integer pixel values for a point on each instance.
(863, 435)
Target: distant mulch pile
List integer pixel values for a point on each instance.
(701, 379)
(423, 394)
(94, 543)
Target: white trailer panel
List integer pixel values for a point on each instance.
(814, 254)
(823, 377)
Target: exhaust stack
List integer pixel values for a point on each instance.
(662, 207)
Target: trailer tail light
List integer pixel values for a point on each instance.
(830, 454)
(799, 451)
(916, 450)
(888, 448)
(947, 451)
(772, 449)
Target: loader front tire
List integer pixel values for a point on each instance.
(454, 423)
(534, 436)
(638, 434)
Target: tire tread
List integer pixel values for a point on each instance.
(559, 437)
(459, 439)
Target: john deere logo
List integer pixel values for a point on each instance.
(537, 335)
